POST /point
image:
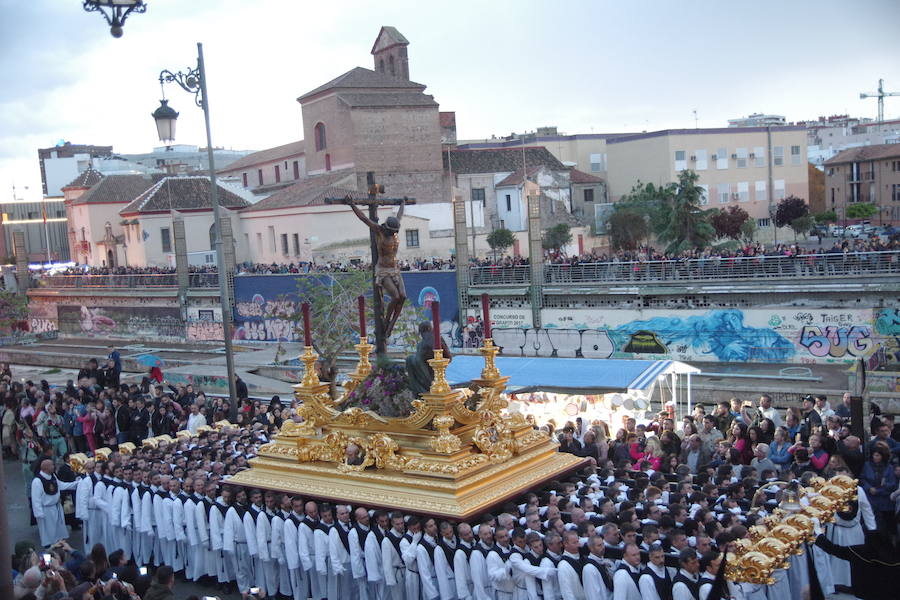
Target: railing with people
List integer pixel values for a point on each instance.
(838, 264)
(112, 280)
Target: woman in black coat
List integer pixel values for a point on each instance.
(874, 569)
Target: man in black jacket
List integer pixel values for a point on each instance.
(874, 569)
(123, 420)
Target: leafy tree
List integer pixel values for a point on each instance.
(649, 200)
(816, 185)
(861, 210)
(823, 218)
(501, 239)
(13, 312)
(557, 237)
(728, 223)
(801, 225)
(628, 228)
(748, 230)
(681, 222)
(788, 209)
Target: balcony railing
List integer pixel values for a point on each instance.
(700, 269)
(203, 280)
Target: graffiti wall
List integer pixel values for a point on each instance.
(121, 321)
(43, 317)
(724, 335)
(261, 300)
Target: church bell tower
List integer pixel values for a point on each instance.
(390, 53)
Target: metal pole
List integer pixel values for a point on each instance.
(771, 183)
(46, 230)
(220, 252)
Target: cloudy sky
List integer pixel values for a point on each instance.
(584, 66)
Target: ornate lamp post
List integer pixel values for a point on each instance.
(115, 12)
(193, 81)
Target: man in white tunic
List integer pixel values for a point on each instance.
(481, 583)
(373, 556)
(123, 497)
(461, 569)
(255, 511)
(98, 507)
(175, 506)
(282, 513)
(307, 542)
(443, 561)
(267, 552)
(206, 566)
(45, 489)
(165, 538)
(686, 584)
(425, 552)
(570, 567)
(656, 576)
(408, 553)
(595, 576)
(394, 570)
(294, 546)
(235, 544)
(339, 554)
(324, 568)
(625, 579)
(83, 494)
(217, 512)
(550, 558)
(357, 542)
(847, 530)
(526, 575)
(192, 539)
(148, 521)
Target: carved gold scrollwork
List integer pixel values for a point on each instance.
(445, 442)
(494, 438)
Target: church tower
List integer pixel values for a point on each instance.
(390, 53)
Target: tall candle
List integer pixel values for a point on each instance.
(436, 323)
(486, 314)
(307, 328)
(362, 318)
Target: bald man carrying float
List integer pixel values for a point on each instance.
(48, 511)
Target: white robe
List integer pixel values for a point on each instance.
(680, 591)
(278, 550)
(216, 538)
(462, 573)
(374, 565)
(443, 570)
(179, 533)
(500, 575)
(206, 565)
(550, 587)
(193, 554)
(594, 586)
(82, 511)
(850, 532)
(525, 577)
(267, 553)
(624, 587)
(293, 543)
(648, 586)
(339, 559)
(408, 554)
(427, 575)
(393, 568)
(307, 542)
(358, 561)
(48, 510)
(235, 549)
(570, 585)
(481, 583)
(324, 568)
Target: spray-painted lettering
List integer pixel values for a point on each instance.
(837, 342)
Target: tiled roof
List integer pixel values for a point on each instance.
(117, 188)
(391, 32)
(515, 178)
(387, 99)
(312, 191)
(265, 156)
(576, 176)
(362, 79)
(86, 179)
(181, 193)
(863, 153)
(500, 160)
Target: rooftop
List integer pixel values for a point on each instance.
(864, 153)
(312, 191)
(282, 152)
(86, 179)
(181, 193)
(576, 176)
(706, 131)
(363, 80)
(500, 160)
(117, 189)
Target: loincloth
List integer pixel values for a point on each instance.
(391, 274)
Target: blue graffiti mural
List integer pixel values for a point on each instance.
(721, 333)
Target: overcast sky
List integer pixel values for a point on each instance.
(584, 66)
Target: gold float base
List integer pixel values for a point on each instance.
(456, 499)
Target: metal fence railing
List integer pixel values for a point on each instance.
(203, 280)
(133, 280)
(518, 275)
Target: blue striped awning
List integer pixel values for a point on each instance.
(582, 375)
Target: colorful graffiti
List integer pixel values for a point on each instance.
(262, 300)
(120, 321)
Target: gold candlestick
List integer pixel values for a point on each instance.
(363, 367)
(489, 352)
(309, 358)
(439, 365)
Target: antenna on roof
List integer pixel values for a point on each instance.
(695, 119)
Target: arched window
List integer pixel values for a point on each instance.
(212, 236)
(381, 65)
(391, 64)
(319, 135)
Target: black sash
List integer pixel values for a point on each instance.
(240, 509)
(362, 534)
(345, 540)
(663, 584)
(575, 563)
(692, 586)
(162, 494)
(295, 520)
(395, 541)
(51, 486)
(850, 514)
(449, 552)
(428, 548)
(467, 550)
(309, 523)
(323, 527)
(376, 531)
(534, 560)
(94, 480)
(634, 576)
(254, 512)
(222, 509)
(184, 498)
(549, 556)
(484, 551)
(604, 573)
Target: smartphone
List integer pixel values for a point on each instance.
(254, 590)
(210, 598)
(46, 558)
(142, 570)
(115, 575)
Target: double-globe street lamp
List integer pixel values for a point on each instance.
(193, 81)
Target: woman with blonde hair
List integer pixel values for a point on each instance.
(653, 453)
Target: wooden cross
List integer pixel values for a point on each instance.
(373, 202)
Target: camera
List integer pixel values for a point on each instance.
(254, 590)
(142, 570)
(46, 556)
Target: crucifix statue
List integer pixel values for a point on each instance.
(386, 278)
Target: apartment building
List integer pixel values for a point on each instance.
(865, 174)
(752, 167)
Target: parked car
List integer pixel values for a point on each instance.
(837, 231)
(854, 231)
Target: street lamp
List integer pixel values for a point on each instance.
(194, 82)
(115, 12)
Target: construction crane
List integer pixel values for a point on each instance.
(880, 95)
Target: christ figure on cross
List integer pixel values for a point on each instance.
(387, 270)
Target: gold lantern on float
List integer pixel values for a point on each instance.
(76, 461)
(127, 448)
(102, 454)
